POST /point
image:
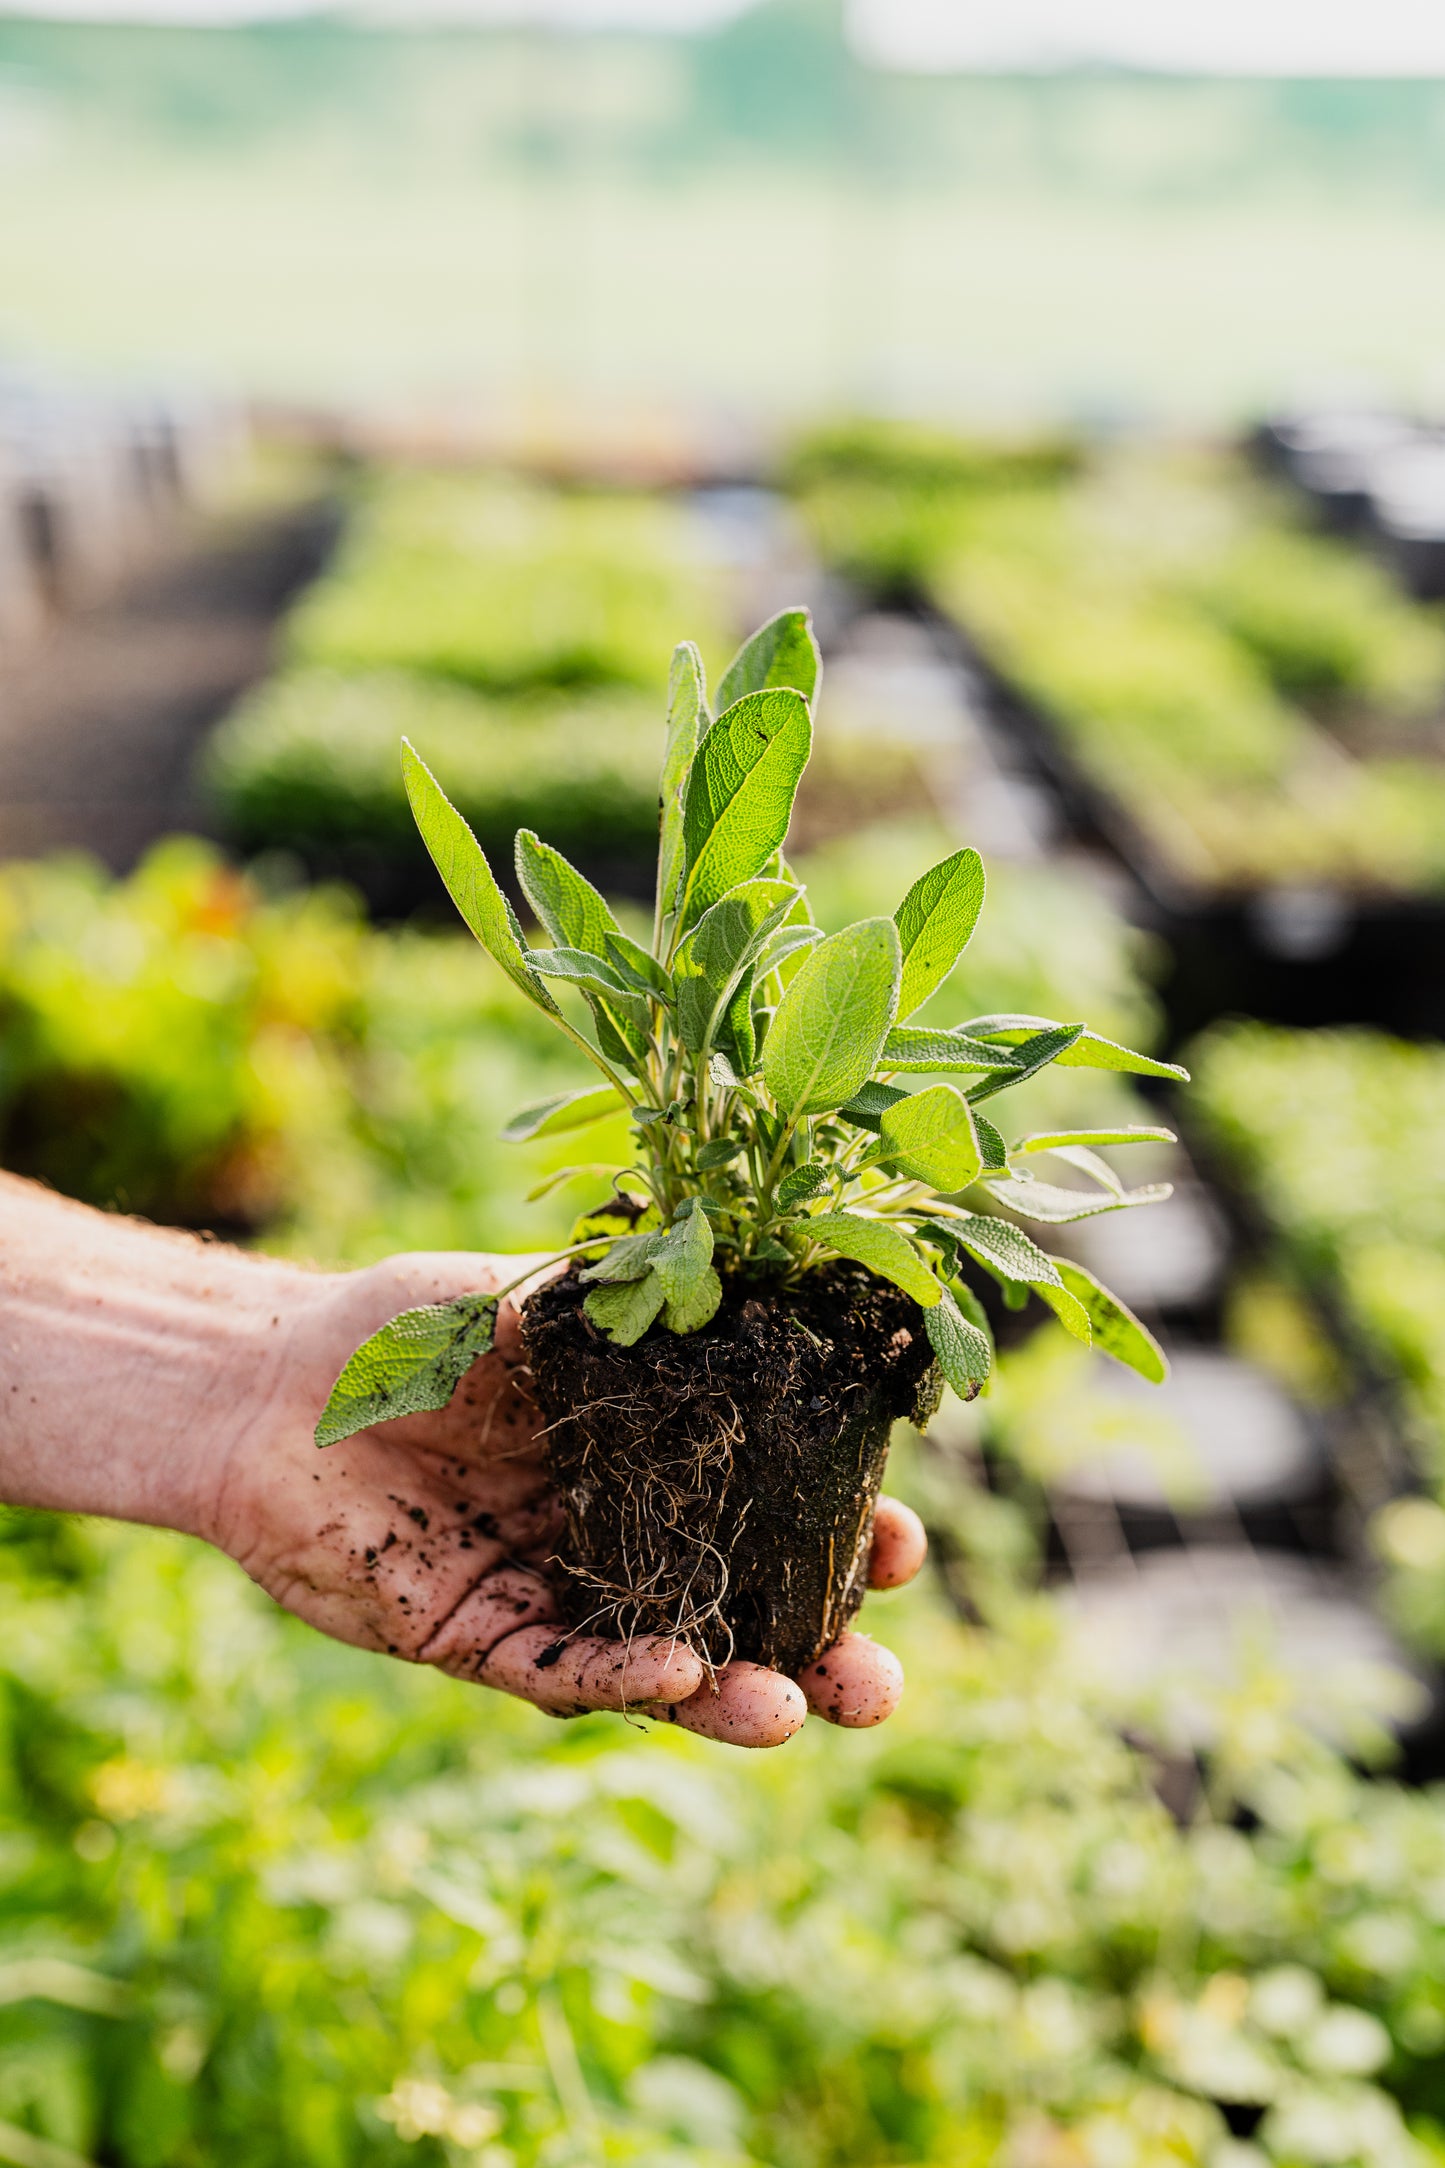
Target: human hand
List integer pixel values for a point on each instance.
(428, 1537)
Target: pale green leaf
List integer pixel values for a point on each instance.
(880, 1247)
(931, 1138)
(624, 1312)
(1053, 1205)
(639, 968)
(1116, 1330)
(739, 796)
(712, 961)
(570, 908)
(809, 1180)
(912, 1048)
(965, 1354)
(935, 923)
(686, 720)
(1089, 1050)
(630, 1258)
(782, 652)
(1032, 1054)
(415, 1362)
(462, 864)
(1008, 1253)
(696, 1306)
(866, 1108)
(682, 1257)
(569, 1110)
(825, 1039)
(595, 976)
(1049, 1140)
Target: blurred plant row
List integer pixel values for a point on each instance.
(1259, 700)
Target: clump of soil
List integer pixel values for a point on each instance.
(720, 1486)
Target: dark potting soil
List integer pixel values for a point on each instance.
(721, 1485)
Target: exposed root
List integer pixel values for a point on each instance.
(721, 1487)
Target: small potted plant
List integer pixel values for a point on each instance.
(782, 1268)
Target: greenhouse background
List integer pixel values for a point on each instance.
(432, 373)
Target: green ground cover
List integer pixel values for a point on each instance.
(1255, 696)
(268, 1900)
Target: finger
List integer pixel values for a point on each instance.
(900, 1545)
(749, 1706)
(589, 1673)
(855, 1683)
(496, 1607)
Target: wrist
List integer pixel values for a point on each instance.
(129, 1358)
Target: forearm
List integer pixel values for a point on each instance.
(128, 1355)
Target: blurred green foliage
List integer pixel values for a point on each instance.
(1341, 1137)
(309, 764)
(267, 1900)
(505, 586)
(1168, 613)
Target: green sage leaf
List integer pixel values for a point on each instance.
(570, 908)
(697, 1307)
(470, 882)
(824, 1041)
(739, 796)
(1008, 1253)
(866, 1108)
(1052, 1205)
(931, 1138)
(1049, 1140)
(907, 1048)
(569, 1110)
(1116, 1330)
(809, 1180)
(880, 1247)
(1088, 1051)
(624, 1312)
(686, 720)
(414, 1363)
(782, 652)
(965, 1355)
(712, 962)
(935, 923)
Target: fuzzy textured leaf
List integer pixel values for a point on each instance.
(825, 1039)
(712, 961)
(696, 1306)
(931, 1138)
(809, 1180)
(682, 1257)
(1007, 1251)
(1116, 1330)
(965, 1355)
(1049, 1140)
(881, 1248)
(935, 924)
(415, 1362)
(569, 1110)
(566, 903)
(907, 1048)
(1089, 1050)
(470, 882)
(1033, 1054)
(625, 1310)
(1053, 1205)
(739, 796)
(781, 652)
(686, 720)
(866, 1108)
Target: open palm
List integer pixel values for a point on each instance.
(430, 1537)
